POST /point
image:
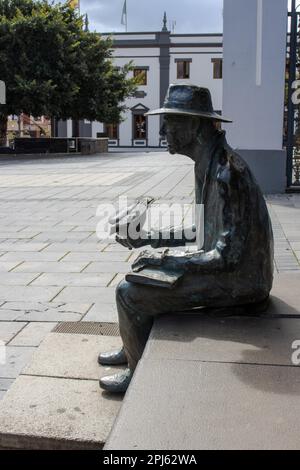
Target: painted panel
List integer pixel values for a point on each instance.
(254, 72)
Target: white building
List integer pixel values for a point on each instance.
(160, 58)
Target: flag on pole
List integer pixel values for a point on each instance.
(124, 14)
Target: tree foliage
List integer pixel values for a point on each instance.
(52, 67)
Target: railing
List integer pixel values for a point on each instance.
(292, 122)
(296, 167)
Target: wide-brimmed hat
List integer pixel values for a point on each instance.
(189, 100)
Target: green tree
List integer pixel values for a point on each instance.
(52, 67)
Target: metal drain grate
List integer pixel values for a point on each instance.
(88, 328)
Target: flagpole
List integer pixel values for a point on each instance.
(124, 19)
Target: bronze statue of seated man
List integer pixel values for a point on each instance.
(235, 266)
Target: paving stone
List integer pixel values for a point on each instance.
(79, 353)
(33, 334)
(218, 406)
(43, 312)
(16, 359)
(97, 256)
(285, 295)
(9, 329)
(17, 279)
(5, 384)
(23, 246)
(7, 266)
(115, 247)
(79, 308)
(79, 247)
(57, 236)
(295, 246)
(51, 315)
(52, 413)
(20, 294)
(108, 267)
(50, 267)
(288, 269)
(116, 280)
(74, 279)
(23, 235)
(87, 294)
(8, 315)
(101, 312)
(22, 256)
(80, 228)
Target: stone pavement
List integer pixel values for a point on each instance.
(61, 382)
(53, 268)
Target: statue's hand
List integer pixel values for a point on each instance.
(130, 243)
(147, 259)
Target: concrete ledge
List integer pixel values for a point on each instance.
(217, 381)
(190, 405)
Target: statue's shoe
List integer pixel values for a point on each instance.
(113, 358)
(117, 383)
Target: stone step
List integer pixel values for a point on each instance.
(56, 403)
(217, 382)
(192, 405)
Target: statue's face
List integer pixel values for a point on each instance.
(180, 131)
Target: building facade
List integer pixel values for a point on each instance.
(159, 58)
(28, 126)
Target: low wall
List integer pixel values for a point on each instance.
(56, 145)
(92, 146)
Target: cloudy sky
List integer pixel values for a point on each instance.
(191, 16)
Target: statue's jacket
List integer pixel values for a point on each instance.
(238, 238)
